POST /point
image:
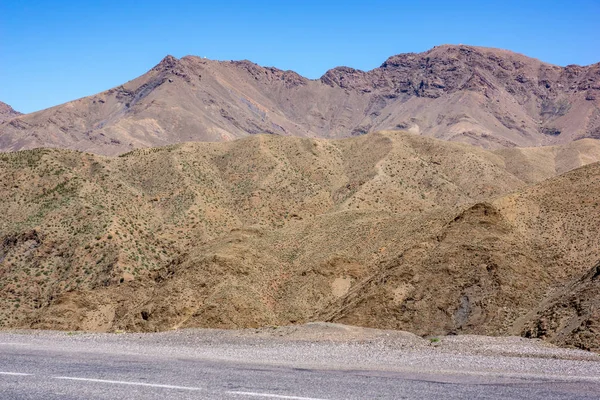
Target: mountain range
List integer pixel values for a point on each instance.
(487, 97)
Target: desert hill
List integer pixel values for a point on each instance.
(7, 112)
(388, 229)
(487, 97)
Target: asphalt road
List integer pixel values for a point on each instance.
(56, 366)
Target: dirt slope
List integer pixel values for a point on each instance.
(384, 230)
(488, 97)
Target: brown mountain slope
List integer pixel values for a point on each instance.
(386, 230)
(7, 112)
(487, 97)
(570, 315)
(486, 269)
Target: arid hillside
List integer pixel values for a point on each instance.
(487, 97)
(388, 230)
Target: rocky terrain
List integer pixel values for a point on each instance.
(385, 230)
(488, 97)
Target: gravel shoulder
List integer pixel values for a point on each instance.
(335, 346)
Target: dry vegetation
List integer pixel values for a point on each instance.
(386, 230)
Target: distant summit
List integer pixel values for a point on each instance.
(491, 98)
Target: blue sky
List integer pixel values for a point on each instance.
(55, 51)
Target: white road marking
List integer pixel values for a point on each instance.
(157, 385)
(12, 344)
(14, 373)
(273, 396)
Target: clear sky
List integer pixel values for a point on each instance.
(55, 51)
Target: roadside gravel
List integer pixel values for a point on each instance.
(333, 346)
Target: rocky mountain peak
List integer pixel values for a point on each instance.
(167, 63)
(7, 112)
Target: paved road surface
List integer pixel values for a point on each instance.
(58, 366)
